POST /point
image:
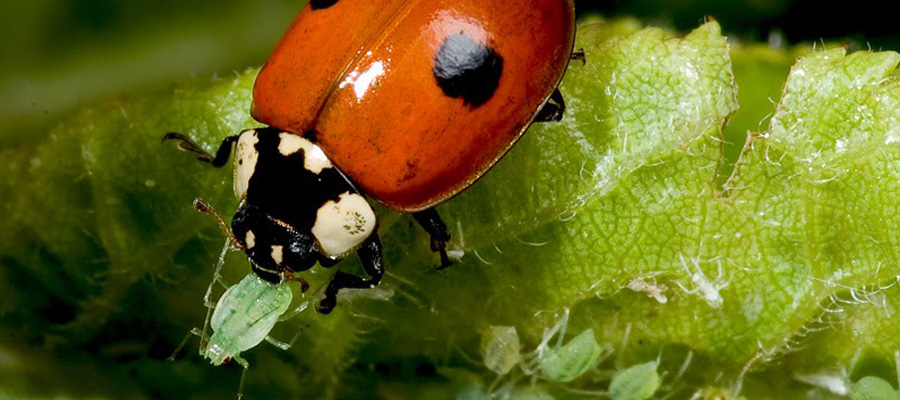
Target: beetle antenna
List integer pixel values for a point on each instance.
(185, 143)
(222, 154)
(205, 208)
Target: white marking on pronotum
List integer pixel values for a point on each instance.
(277, 254)
(341, 226)
(314, 160)
(250, 239)
(245, 160)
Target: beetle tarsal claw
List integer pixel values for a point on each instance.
(440, 247)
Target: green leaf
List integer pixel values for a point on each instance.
(619, 213)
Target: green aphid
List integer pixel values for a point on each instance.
(243, 318)
(565, 363)
(638, 382)
(873, 388)
(500, 348)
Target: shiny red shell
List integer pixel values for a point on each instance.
(360, 77)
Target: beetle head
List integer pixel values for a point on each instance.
(274, 247)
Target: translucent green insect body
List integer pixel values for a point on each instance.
(244, 316)
(638, 382)
(500, 347)
(564, 364)
(553, 363)
(873, 388)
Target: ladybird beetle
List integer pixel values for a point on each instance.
(408, 102)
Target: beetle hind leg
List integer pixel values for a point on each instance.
(373, 264)
(553, 109)
(433, 224)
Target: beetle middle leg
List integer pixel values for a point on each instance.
(373, 264)
(433, 224)
(553, 110)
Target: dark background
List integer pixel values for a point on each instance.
(864, 21)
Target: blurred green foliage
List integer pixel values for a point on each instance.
(58, 54)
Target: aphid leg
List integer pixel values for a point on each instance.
(578, 55)
(181, 345)
(295, 312)
(207, 298)
(373, 264)
(222, 154)
(553, 109)
(562, 331)
(210, 305)
(431, 221)
(243, 363)
(205, 208)
(290, 314)
(282, 345)
(285, 345)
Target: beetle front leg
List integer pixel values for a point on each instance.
(431, 221)
(373, 264)
(222, 154)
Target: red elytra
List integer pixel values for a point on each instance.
(412, 99)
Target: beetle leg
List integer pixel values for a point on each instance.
(373, 265)
(327, 262)
(433, 224)
(578, 55)
(554, 109)
(222, 154)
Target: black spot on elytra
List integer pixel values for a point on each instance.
(467, 69)
(321, 4)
